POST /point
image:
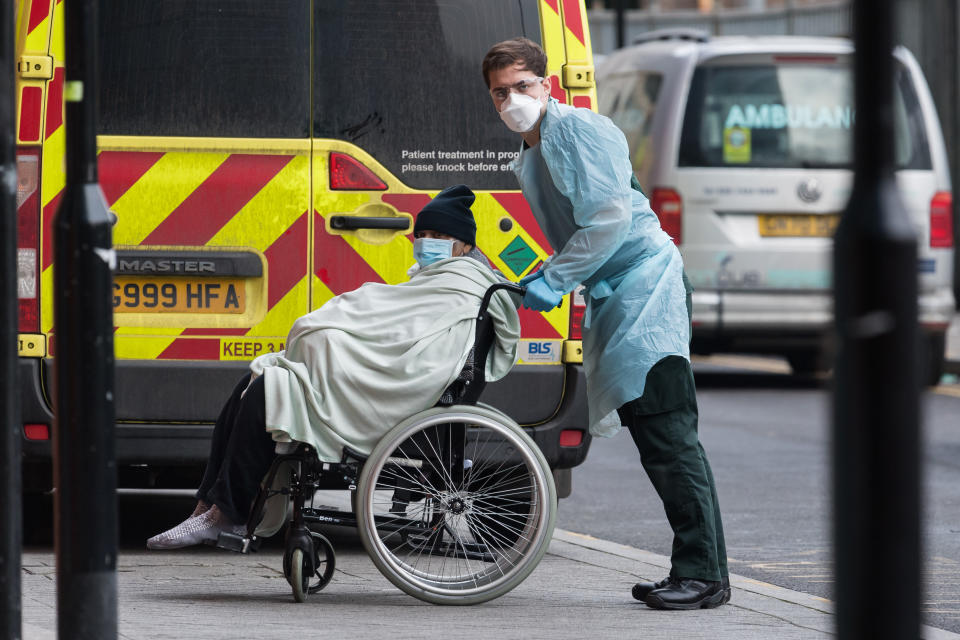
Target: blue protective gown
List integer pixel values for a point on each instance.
(577, 182)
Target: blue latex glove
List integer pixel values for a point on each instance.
(541, 296)
(530, 277)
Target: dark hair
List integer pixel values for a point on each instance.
(509, 52)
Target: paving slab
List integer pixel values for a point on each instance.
(580, 589)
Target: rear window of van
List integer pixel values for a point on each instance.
(214, 68)
(789, 115)
(399, 78)
(402, 80)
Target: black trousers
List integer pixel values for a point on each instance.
(663, 423)
(241, 452)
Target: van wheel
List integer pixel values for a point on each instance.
(934, 346)
(805, 363)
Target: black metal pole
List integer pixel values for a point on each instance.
(11, 530)
(85, 470)
(876, 398)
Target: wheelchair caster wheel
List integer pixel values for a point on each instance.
(324, 562)
(301, 566)
(299, 575)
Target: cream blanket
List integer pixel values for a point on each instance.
(370, 358)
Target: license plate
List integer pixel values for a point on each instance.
(178, 295)
(798, 225)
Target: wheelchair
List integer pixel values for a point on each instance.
(454, 505)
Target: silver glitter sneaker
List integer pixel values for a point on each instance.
(194, 530)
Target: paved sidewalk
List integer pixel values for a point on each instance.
(580, 590)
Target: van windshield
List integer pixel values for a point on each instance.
(788, 115)
(401, 79)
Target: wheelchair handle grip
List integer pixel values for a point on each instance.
(507, 286)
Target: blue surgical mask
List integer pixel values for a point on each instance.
(426, 251)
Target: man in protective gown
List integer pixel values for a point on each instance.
(574, 170)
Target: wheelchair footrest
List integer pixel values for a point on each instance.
(240, 544)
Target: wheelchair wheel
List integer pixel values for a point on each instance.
(324, 562)
(456, 505)
(299, 575)
(299, 569)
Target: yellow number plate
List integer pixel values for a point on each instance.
(178, 295)
(798, 225)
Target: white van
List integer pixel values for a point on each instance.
(744, 146)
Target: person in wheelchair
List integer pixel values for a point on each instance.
(356, 367)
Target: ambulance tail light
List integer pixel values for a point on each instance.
(349, 174)
(36, 431)
(668, 205)
(28, 239)
(941, 220)
(577, 309)
(571, 438)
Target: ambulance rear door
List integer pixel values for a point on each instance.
(205, 161)
(400, 112)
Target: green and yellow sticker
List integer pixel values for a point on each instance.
(736, 145)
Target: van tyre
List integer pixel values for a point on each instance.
(933, 363)
(806, 363)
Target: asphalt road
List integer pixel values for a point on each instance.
(767, 436)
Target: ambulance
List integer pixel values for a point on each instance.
(259, 158)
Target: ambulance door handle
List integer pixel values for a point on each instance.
(368, 222)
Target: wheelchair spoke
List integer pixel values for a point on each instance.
(504, 519)
(466, 555)
(445, 474)
(498, 475)
(408, 524)
(434, 493)
(504, 498)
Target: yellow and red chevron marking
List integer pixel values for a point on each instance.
(189, 194)
(567, 41)
(551, 27)
(340, 264)
(53, 179)
(172, 198)
(358, 262)
(33, 38)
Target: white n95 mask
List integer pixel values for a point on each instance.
(520, 112)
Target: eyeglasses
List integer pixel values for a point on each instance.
(523, 86)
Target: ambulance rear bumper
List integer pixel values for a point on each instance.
(154, 453)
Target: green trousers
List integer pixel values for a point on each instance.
(663, 423)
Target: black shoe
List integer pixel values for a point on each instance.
(641, 589)
(725, 583)
(687, 593)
